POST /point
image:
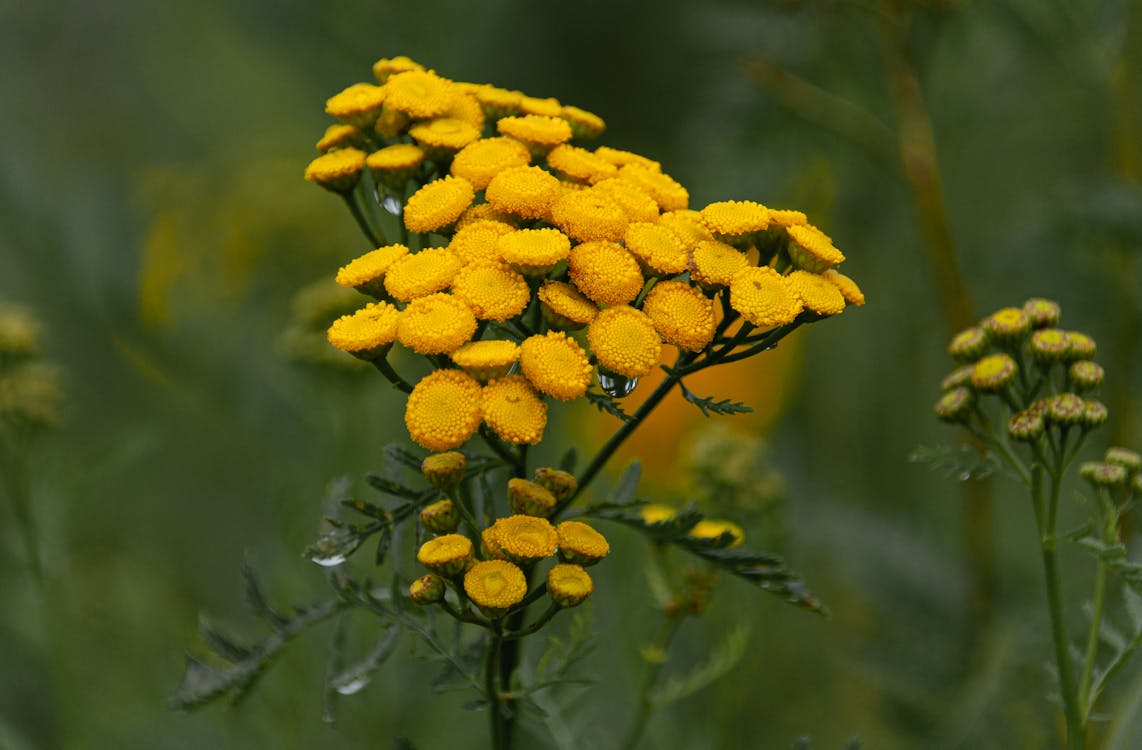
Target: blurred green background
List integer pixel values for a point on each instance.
(153, 215)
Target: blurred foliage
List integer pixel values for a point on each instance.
(153, 215)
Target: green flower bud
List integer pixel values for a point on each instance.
(1085, 374)
(1026, 426)
(561, 484)
(994, 372)
(1066, 409)
(956, 378)
(1124, 457)
(1007, 326)
(1095, 414)
(427, 589)
(968, 345)
(444, 470)
(529, 499)
(441, 517)
(1082, 346)
(955, 405)
(1050, 345)
(1042, 312)
(569, 585)
(1101, 474)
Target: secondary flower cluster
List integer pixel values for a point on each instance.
(1039, 370)
(542, 261)
(1120, 468)
(493, 576)
(30, 393)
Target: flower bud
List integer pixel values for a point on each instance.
(1007, 326)
(1050, 345)
(441, 517)
(581, 544)
(1026, 426)
(529, 499)
(709, 529)
(446, 555)
(994, 372)
(561, 484)
(968, 345)
(1094, 414)
(955, 405)
(956, 378)
(1042, 312)
(1102, 474)
(1082, 346)
(1085, 374)
(569, 585)
(444, 470)
(1066, 409)
(1124, 457)
(427, 589)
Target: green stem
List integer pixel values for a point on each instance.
(1109, 527)
(491, 667)
(16, 483)
(375, 237)
(649, 680)
(386, 369)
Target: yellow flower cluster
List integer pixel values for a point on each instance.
(528, 235)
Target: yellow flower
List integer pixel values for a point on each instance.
(621, 158)
(763, 297)
(787, 217)
(605, 272)
(664, 189)
(446, 555)
(654, 513)
(656, 248)
(848, 288)
(555, 364)
(682, 314)
(1050, 345)
(565, 307)
(533, 251)
(477, 241)
(337, 170)
(415, 275)
(994, 372)
(711, 529)
(513, 410)
(366, 273)
(340, 136)
(484, 212)
(480, 161)
(492, 291)
(812, 249)
(420, 94)
(442, 136)
(498, 102)
(587, 215)
(525, 539)
(443, 410)
(444, 471)
(816, 293)
(1081, 345)
(539, 133)
(532, 105)
(580, 164)
(569, 585)
(386, 67)
(394, 165)
(636, 203)
(527, 192)
(580, 544)
(488, 359)
(438, 204)
(366, 333)
(529, 498)
(392, 123)
(969, 344)
(436, 324)
(713, 264)
(731, 220)
(466, 109)
(358, 105)
(1008, 325)
(1044, 313)
(495, 585)
(489, 546)
(583, 124)
(624, 341)
(687, 226)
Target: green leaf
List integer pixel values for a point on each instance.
(569, 459)
(459, 665)
(256, 600)
(389, 487)
(724, 658)
(368, 509)
(399, 455)
(334, 546)
(356, 677)
(605, 403)
(623, 492)
(218, 642)
(962, 462)
(707, 405)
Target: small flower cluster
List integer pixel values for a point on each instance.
(1120, 468)
(1020, 355)
(30, 393)
(494, 578)
(543, 261)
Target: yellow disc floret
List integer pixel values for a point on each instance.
(358, 105)
(495, 585)
(847, 287)
(438, 204)
(605, 272)
(340, 136)
(337, 170)
(569, 585)
(812, 249)
(540, 133)
(621, 158)
(729, 220)
(555, 364)
(533, 251)
(513, 410)
(443, 410)
(389, 66)
(366, 333)
(525, 539)
(488, 359)
(491, 290)
(366, 273)
(527, 192)
(763, 297)
(436, 324)
(681, 314)
(581, 544)
(656, 248)
(446, 555)
(664, 189)
(635, 202)
(713, 264)
(816, 292)
(444, 135)
(477, 240)
(482, 160)
(565, 307)
(687, 226)
(580, 164)
(587, 215)
(415, 275)
(624, 341)
(583, 124)
(420, 94)
(394, 165)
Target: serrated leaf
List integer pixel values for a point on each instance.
(1102, 550)
(384, 543)
(469, 659)
(220, 643)
(707, 405)
(723, 658)
(624, 489)
(335, 546)
(202, 683)
(389, 487)
(356, 677)
(256, 600)
(399, 455)
(367, 509)
(1110, 635)
(961, 463)
(605, 403)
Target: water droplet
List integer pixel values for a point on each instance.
(616, 386)
(391, 204)
(964, 476)
(328, 561)
(353, 686)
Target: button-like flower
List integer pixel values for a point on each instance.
(443, 410)
(556, 365)
(624, 341)
(513, 410)
(495, 585)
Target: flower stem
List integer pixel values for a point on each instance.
(375, 237)
(1109, 528)
(491, 667)
(649, 680)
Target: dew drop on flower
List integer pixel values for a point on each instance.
(391, 204)
(616, 386)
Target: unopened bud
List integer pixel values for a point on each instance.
(427, 589)
(955, 405)
(1066, 409)
(444, 470)
(1042, 312)
(1124, 457)
(561, 484)
(441, 517)
(569, 585)
(994, 372)
(1007, 326)
(529, 499)
(1085, 375)
(1102, 474)
(1026, 426)
(968, 345)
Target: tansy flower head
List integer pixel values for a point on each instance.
(416, 275)
(955, 404)
(338, 170)
(1084, 374)
(444, 470)
(956, 378)
(735, 221)
(545, 107)
(358, 105)
(388, 66)
(787, 217)
(994, 372)
(367, 333)
(366, 273)
(1081, 345)
(477, 241)
(605, 272)
(1050, 345)
(561, 484)
(1124, 457)
(485, 212)
(443, 410)
(656, 247)
(713, 264)
(569, 585)
(1026, 426)
(587, 215)
(527, 498)
(763, 297)
(436, 324)
(446, 555)
(681, 314)
(1094, 414)
(513, 410)
(420, 94)
(580, 544)
(812, 249)
(565, 307)
(392, 166)
(709, 530)
(621, 158)
(533, 251)
(340, 136)
(427, 589)
(654, 513)
(687, 226)
(440, 517)
(584, 124)
(488, 359)
(482, 160)
(443, 136)
(392, 123)
(1102, 474)
(539, 133)
(492, 291)
(580, 164)
(489, 547)
(525, 539)
(466, 108)
(495, 585)
(634, 201)
(847, 287)
(816, 293)
(969, 344)
(1007, 326)
(664, 189)
(498, 102)
(555, 364)
(1042, 312)
(527, 192)
(624, 341)
(438, 204)
(1066, 409)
